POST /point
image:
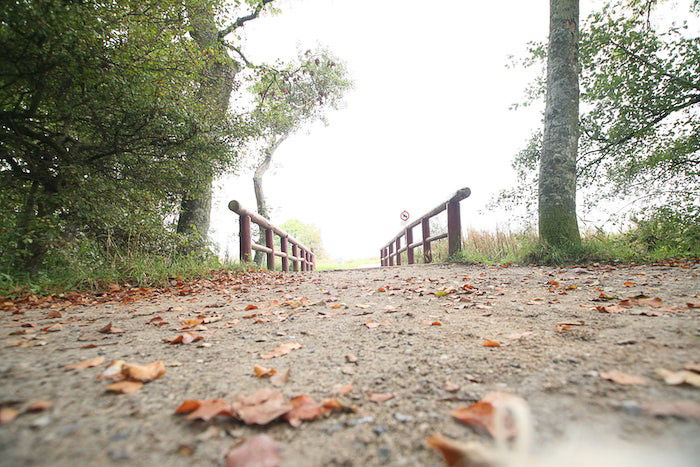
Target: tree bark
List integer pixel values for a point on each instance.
(558, 225)
(216, 86)
(260, 194)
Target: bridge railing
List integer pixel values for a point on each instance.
(391, 253)
(301, 257)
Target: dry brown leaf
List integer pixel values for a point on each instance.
(250, 307)
(144, 373)
(351, 358)
(53, 328)
(459, 454)
(262, 372)
(184, 338)
(692, 367)
(113, 371)
(451, 387)
(124, 387)
(39, 405)
(205, 409)
(261, 407)
(490, 343)
(610, 309)
(680, 409)
(623, 378)
(8, 414)
(258, 451)
(85, 364)
(342, 389)
(379, 396)
(110, 329)
(675, 378)
(280, 378)
(281, 351)
(481, 413)
(629, 284)
(304, 408)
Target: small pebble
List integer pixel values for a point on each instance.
(626, 342)
(403, 418)
(361, 421)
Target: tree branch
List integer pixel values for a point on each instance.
(244, 19)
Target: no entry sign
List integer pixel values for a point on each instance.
(405, 216)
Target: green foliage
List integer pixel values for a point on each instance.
(102, 126)
(640, 121)
(308, 234)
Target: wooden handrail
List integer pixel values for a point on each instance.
(302, 258)
(393, 249)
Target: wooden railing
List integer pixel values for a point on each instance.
(392, 251)
(302, 258)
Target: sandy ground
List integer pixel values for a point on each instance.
(410, 329)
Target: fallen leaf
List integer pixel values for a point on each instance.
(280, 378)
(85, 364)
(113, 371)
(53, 328)
(304, 408)
(184, 338)
(257, 451)
(379, 396)
(451, 387)
(692, 367)
(629, 284)
(110, 329)
(342, 389)
(124, 387)
(459, 454)
(680, 409)
(351, 358)
(205, 409)
(39, 405)
(262, 372)
(675, 378)
(53, 314)
(144, 373)
(8, 414)
(261, 407)
(436, 323)
(490, 343)
(623, 378)
(693, 305)
(481, 414)
(282, 350)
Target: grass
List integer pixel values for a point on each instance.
(90, 273)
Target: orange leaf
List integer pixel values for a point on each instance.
(124, 387)
(144, 373)
(379, 397)
(262, 372)
(207, 409)
(184, 338)
(623, 378)
(113, 370)
(85, 364)
(188, 406)
(260, 450)
(110, 329)
(280, 378)
(342, 389)
(53, 328)
(281, 351)
(39, 405)
(436, 323)
(458, 454)
(629, 284)
(261, 407)
(304, 408)
(7, 414)
(481, 413)
(250, 307)
(490, 343)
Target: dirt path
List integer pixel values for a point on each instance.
(410, 329)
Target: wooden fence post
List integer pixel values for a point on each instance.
(285, 259)
(270, 243)
(454, 228)
(427, 251)
(391, 252)
(295, 253)
(409, 250)
(246, 244)
(398, 255)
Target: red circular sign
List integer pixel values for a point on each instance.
(404, 215)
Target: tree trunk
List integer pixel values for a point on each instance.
(259, 193)
(216, 86)
(558, 225)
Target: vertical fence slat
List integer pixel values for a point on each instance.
(270, 243)
(398, 255)
(427, 250)
(454, 228)
(283, 249)
(391, 252)
(245, 239)
(295, 261)
(409, 250)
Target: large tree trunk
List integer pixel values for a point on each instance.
(216, 86)
(260, 194)
(558, 225)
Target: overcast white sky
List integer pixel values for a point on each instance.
(428, 115)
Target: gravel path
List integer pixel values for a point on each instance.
(414, 332)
